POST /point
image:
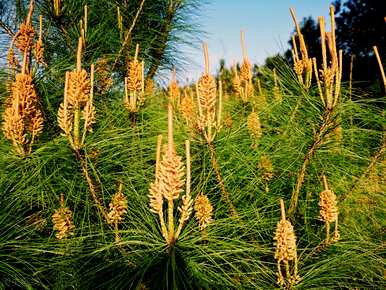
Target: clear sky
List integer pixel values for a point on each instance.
(267, 25)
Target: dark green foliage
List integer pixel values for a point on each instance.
(360, 25)
(235, 252)
(309, 27)
(163, 28)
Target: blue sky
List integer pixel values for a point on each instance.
(267, 25)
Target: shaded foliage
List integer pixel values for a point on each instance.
(360, 25)
(162, 27)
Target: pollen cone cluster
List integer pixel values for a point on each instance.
(11, 58)
(228, 121)
(329, 77)
(103, 76)
(134, 84)
(207, 98)
(329, 210)
(78, 88)
(174, 91)
(62, 220)
(77, 103)
(260, 101)
(328, 206)
(118, 207)
(39, 49)
(285, 241)
(246, 71)
(88, 115)
(236, 83)
(185, 212)
(187, 109)
(254, 126)
(302, 64)
(246, 86)
(168, 186)
(22, 118)
(23, 40)
(203, 211)
(24, 37)
(265, 165)
(149, 87)
(171, 176)
(276, 93)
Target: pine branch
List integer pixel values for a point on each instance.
(128, 34)
(316, 142)
(7, 29)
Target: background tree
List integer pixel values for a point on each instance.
(360, 24)
(310, 30)
(172, 27)
(161, 28)
(271, 61)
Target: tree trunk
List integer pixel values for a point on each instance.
(165, 30)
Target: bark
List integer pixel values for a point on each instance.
(316, 142)
(167, 26)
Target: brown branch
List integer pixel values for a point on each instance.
(90, 183)
(128, 34)
(30, 11)
(66, 38)
(380, 66)
(220, 180)
(373, 162)
(316, 142)
(164, 33)
(7, 29)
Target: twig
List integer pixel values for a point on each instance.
(7, 29)
(373, 162)
(66, 38)
(382, 149)
(128, 34)
(220, 180)
(350, 77)
(317, 141)
(380, 66)
(91, 186)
